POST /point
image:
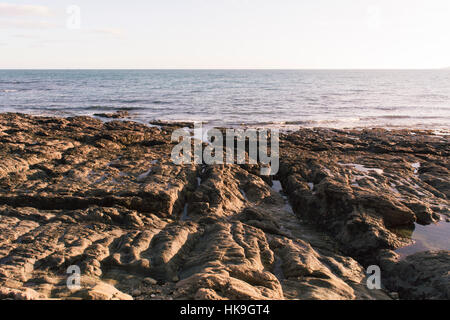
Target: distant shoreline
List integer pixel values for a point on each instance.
(283, 127)
(220, 69)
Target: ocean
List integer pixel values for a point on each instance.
(285, 98)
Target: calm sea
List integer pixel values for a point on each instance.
(419, 99)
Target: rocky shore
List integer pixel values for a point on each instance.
(105, 196)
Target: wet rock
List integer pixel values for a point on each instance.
(115, 115)
(175, 124)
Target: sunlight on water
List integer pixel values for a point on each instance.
(284, 98)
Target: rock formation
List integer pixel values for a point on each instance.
(105, 196)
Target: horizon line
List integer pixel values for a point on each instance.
(232, 69)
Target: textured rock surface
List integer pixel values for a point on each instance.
(424, 275)
(360, 186)
(107, 198)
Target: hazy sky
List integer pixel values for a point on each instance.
(225, 34)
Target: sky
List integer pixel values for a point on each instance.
(225, 34)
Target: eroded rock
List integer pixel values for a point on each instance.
(107, 198)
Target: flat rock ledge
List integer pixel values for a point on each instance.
(105, 196)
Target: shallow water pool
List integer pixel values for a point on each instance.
(431, 237)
